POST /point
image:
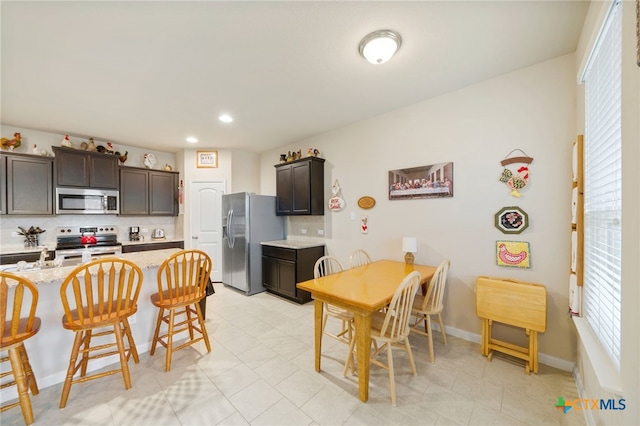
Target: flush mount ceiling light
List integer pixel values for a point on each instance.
(191, 139)
(379, 46)
(225, 118)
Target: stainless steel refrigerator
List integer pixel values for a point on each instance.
(247, 220)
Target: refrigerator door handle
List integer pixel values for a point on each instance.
(232, 237)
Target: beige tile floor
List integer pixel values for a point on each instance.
(260, 372)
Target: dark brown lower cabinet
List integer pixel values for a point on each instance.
(132, 248)
(283, 268)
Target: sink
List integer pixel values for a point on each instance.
(33, 266)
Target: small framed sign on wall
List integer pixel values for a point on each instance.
(207, 159)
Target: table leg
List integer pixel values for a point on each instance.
(363, 351)
(317, 322)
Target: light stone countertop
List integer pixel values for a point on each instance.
(144, 259)
(151, 241)
(16, 248)
(297, 243)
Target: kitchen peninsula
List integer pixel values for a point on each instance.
(49, 350)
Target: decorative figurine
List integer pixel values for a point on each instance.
(283, 158)
(84, 145)
(11, 144)
(150, 161)
(123, 157)
(35, 149)
(92, 145)
(168, 167)
(312, 152)
(66, 142)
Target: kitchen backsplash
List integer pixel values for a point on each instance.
(305, 226)
(9, 226)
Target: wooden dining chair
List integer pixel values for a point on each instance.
(391, 328)
(18, 322)
(327, 265)
(431, 304)
(98, 297)
(359, 258)
(182, 282)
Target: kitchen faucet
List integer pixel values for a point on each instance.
(43, 256)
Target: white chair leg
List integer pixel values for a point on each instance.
(392, 379)
(444, 334)
(349, 361)
(430, 338)
(410, 355)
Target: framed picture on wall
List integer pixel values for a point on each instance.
(207, 159)
(432, 181)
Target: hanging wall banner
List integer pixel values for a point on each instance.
(517, 178)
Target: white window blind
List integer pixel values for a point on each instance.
(603, 187)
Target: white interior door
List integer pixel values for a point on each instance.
(206, 221)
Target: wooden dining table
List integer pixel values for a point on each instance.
(362, 290)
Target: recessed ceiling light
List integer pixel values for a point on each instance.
(191, 139)
(225, 118)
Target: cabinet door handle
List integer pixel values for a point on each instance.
(195, 237)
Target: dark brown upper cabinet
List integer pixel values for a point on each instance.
(300, 187)
(148, 192)
(85, 169)
(27, 184)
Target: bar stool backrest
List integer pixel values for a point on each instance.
(18, 301)
(100, 291)
(183, 276)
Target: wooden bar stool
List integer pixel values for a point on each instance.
(15, 330)
(182, 280)
(100, 296)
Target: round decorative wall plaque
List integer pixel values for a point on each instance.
(366, 202)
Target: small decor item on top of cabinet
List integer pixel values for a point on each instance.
(150, 161)
(92, 145)
(67, 142)
(283, 158)
(313, 152)
(336, 203)
(122, 157)
(168, 167)
(11, 144)
(518, 180)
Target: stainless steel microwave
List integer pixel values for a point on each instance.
(87, 201)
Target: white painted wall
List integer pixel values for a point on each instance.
(532, 109)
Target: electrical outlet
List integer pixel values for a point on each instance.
(303, 231)
(132, 319)
(320, 232)
(353, 216)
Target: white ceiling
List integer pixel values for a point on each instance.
(149, 74)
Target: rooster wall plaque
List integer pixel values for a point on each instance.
(518, 180)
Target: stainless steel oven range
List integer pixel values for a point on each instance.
(100, 241)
